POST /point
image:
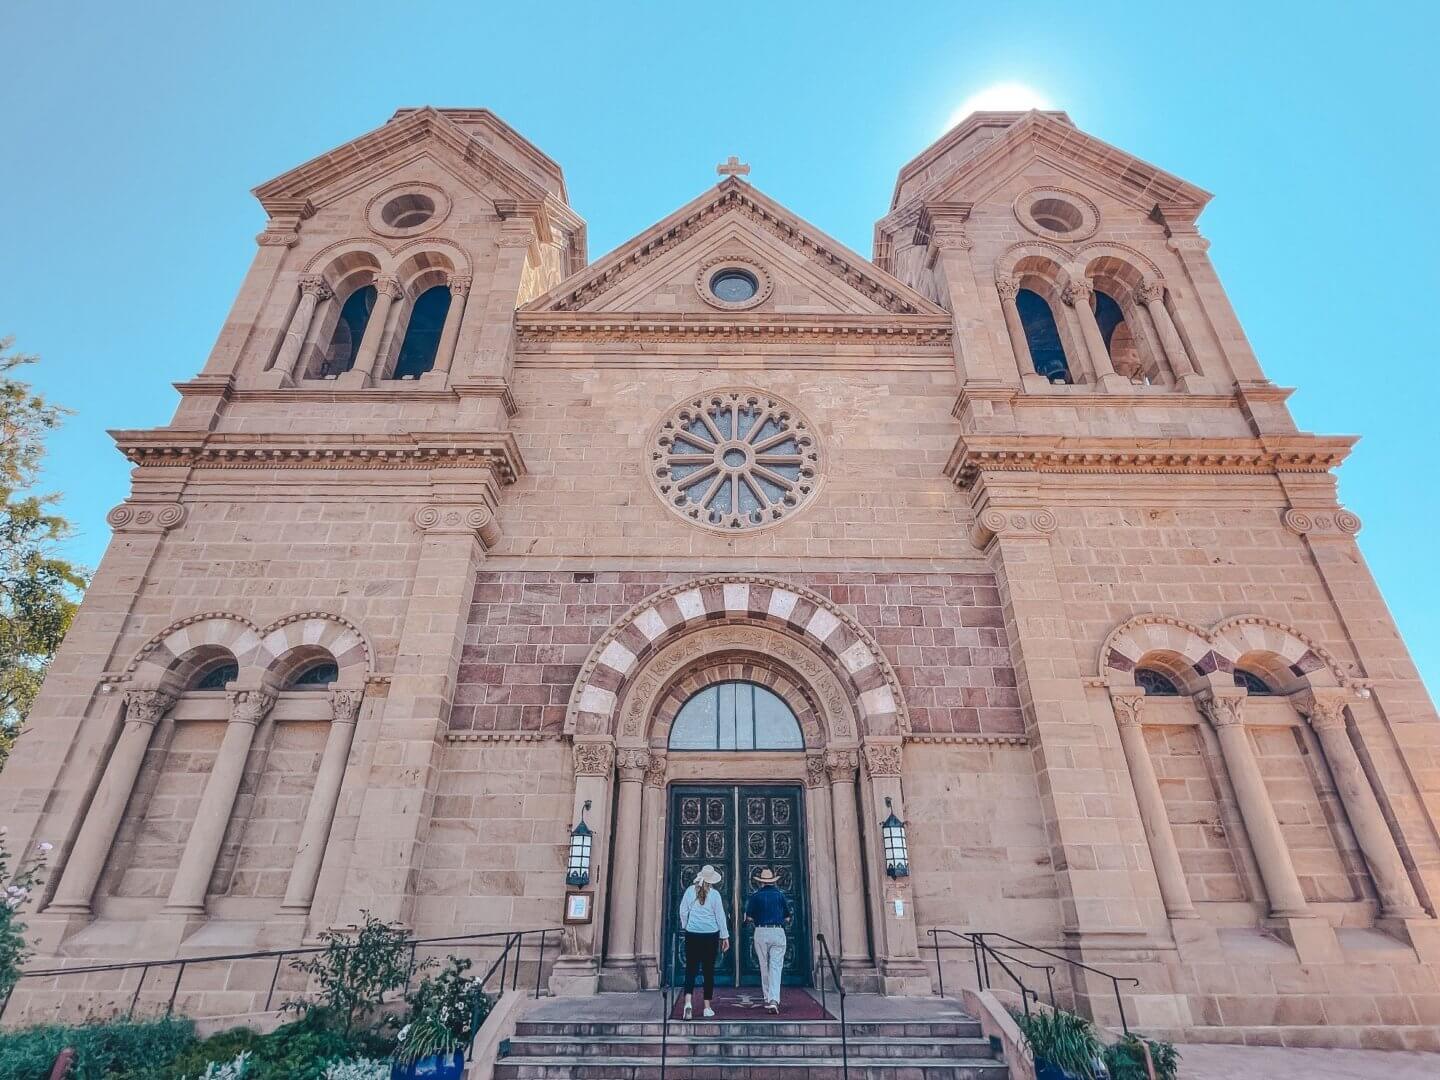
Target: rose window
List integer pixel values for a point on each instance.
(735, 459)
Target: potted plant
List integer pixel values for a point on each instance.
(427, 1050)
(445, 1013)
(1063, 1045)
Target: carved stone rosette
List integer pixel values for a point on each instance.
(1222, 710)
(841, 765)
(632, 764)
(594, 758)
(147, 706)
(345, 705)
(883, 759)
(250, 706)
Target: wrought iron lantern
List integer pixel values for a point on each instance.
(581, 840)
(897, 850)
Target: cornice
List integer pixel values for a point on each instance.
(977, 454)
(283, 450)
(908, 330)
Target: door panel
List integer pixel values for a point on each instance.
(739, 829)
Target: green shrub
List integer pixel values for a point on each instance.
(1061, 1038)
(355, 970)
(219, 1048)
(115, 1050)
(14, 895)
(1126, 1059)
(454, 997)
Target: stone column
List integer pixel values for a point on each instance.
(387, 291)
(197, 863)
(577, 970)
(630, 767)
(822, 858)
(143, 710)
(1077, 294)
(902, 972)
(942, 229)
(450, 332)
(312, 290)
(842, 767)
(1325, 710)
(648, 947)
(320, 814)
(1009, 289)
(1152, 295)
(1169, 874)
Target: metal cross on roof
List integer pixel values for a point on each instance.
(733, 167)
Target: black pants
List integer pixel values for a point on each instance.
(700, 952)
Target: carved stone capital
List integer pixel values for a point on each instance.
(460, 519)
(314, 285)
(388, 286)
(1129, 702)
(656, 770)
(883, 759)
(516, 234)
(1338, 522)
(147, 706)
(1324, 708)
(1007, 287)
(594, 758)
(460, 285)
(632, 764)
(1011, 524)
(146, 517)
(814, 770)
(1192, 243)
(1221, 707)
(250, 706)
(842, 765)
(277, 238)
(1077, 292)
(1150, 292)
(345, 705)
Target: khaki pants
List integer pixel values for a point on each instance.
(770, 951)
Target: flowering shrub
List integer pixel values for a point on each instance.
(231, 1070)
(358, 1069)
(453, 998)
(13, 952)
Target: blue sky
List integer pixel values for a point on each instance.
(132, 134)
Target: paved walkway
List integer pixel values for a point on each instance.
(1207, 1062)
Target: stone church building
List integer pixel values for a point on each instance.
(730, 545)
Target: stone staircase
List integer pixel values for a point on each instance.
(889, 1039)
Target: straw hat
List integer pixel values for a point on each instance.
(708, 874)
(767, 877)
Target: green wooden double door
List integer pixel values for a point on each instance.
(739, 829)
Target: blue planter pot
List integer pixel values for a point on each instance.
(441, 1067)
(1045, 1070)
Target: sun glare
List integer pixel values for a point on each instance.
(1005, 96)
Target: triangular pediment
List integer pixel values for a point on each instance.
(802, 270)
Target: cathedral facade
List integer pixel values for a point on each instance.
(735, 547)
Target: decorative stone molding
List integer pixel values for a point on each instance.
(632, 764)
(345, 705)
(691, 434)
(1181, 244)
(764, 282)
(250, 706)
(146, 517)
(969, 738)
(460, 284)
(1077, 292)
(1011, 524)
(841, 766)
(1129, 703)
(1150, 292)
(883, 759)
(594, 758)
(460, 519)
(516, 235)
(846, 648)
(1337, 522)
(1221, 708)
(1007, 287)
(815, 770)
(314, 285)
(147, 706)
(277, 238)
(976, 455)
(871, 331)
(656, 769)
(500, 736)
(389, 286)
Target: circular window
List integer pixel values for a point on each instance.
(734, 459)
(1057, 214)
(732, 284)
(408, 211)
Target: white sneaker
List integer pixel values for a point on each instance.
(709, 1012)
(687, 1010)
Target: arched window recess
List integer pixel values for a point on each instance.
(736, 716)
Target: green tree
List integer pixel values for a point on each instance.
(39, 590)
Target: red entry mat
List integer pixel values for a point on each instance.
(748, 1003)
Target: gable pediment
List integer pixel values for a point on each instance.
(661, 271)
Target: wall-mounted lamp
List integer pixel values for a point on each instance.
(897, 851)
(577, 868)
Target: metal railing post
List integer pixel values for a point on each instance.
(174, 990)
(540, 963)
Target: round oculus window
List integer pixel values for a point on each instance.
(1057, 214)
(408, 210)
(734, 459)
(733, 285)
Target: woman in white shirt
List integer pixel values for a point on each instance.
(702, 917)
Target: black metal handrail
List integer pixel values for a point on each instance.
(514, 941)
(666, 1005)
(828, 962)
(983, 951)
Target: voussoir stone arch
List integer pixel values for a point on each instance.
(343, 257)
(1181, 649)
(307, 635)
(169, 658)
(1035, 257)
(803, 617)
(1288, 659)
(1118, 261)
(661, 683)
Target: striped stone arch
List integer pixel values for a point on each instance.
(1287, 658)
(772, 676)
(172, 657)
(297, 641)
(850, 653)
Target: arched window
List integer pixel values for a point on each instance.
(1254, 685)
(422, 336)
(1119, 339)
(1155, 683)
(1109, 316)
(316, 676)
(349, 331)
(1043, 336)
(218, 676)
(735, 716)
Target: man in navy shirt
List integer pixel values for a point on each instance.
(769, 909)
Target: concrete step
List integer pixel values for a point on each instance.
(713, 1068)
(731, 1047)
(751, 1029)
